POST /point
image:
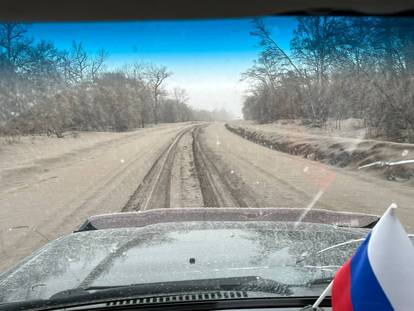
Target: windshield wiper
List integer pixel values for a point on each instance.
(222, 290)
(352, 241)
(386, 163)
(249, 283)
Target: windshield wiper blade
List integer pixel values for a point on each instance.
(386, 163)
(310, 255)
(223, 290)
(351, 241)
(248, 283)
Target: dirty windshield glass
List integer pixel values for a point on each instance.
(258, 147)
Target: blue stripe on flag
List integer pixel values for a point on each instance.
(366, 292)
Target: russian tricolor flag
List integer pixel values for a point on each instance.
(380, 275)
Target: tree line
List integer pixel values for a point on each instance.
(337, 68)
(47, 90)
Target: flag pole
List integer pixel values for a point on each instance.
(322, 296)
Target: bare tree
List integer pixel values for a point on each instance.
(14, 50)
(142, 94)
(272, 52)
(97, 64)
(180, 95)
(15, 43)
(155, 76)
(79, 63)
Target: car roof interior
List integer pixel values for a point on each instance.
(84, 10)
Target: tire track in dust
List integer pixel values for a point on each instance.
(216, 189)
(154, 190)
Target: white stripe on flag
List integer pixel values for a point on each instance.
(391, 256)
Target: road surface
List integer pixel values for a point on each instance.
(181, 165)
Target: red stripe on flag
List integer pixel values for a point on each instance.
(341, 290)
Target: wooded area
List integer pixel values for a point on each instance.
(47, 90)
(337, 68)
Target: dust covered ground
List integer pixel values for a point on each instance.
(50, 186)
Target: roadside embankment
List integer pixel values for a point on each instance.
(350, 153)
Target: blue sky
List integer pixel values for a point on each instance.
(206, 56)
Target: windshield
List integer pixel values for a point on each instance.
(309, 117)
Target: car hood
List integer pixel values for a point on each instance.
(165, 252)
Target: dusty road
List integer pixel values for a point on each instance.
(182, 165)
